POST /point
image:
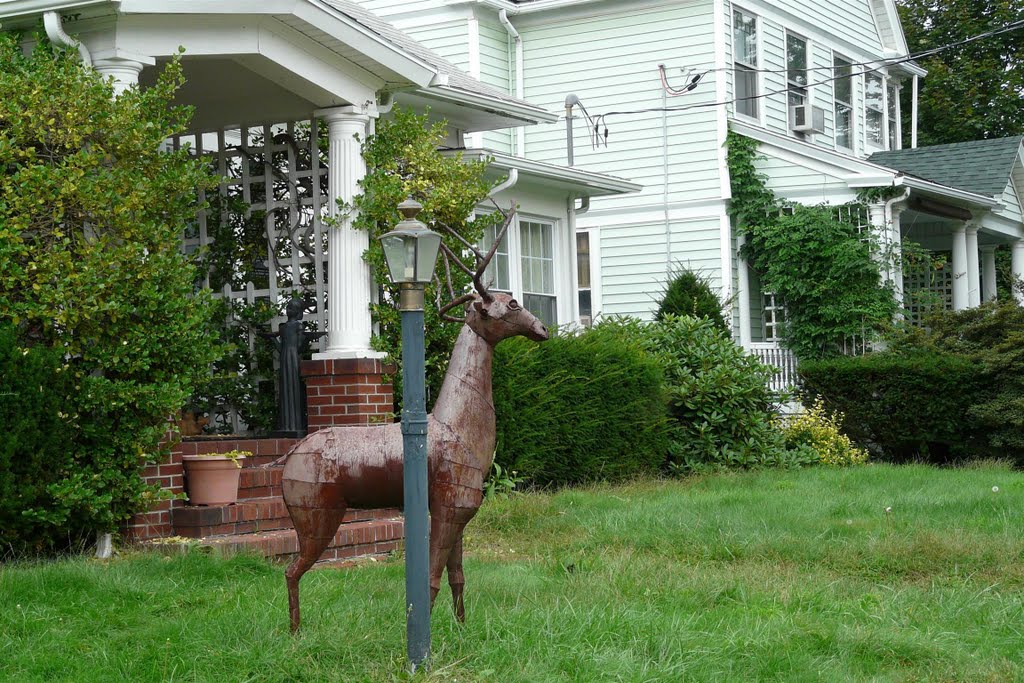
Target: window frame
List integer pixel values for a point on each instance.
(851, 134)
(880, 110)
(793, 86)
(747, 67)
(514, 249)
(893, 134)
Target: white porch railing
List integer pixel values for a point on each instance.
(781, 359)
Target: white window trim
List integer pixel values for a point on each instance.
(594, 238)
(852, 104)
(892, 83)
(758, 74)
(809, 61)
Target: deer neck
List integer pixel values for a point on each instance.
(465, 400)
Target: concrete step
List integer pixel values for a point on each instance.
(248, 516)
(356, 539)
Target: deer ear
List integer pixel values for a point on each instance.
(481, 309)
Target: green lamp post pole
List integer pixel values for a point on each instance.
(411, 251)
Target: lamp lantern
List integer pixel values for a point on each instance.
(411, 252)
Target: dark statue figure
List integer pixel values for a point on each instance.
(292, 342)
(339, 468)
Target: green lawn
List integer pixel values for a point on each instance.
(780, 576)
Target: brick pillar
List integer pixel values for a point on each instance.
(347, 391)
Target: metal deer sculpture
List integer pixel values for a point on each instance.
(339, 468)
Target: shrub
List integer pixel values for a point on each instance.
(690, 293)
(91, 214)
(992, 338)
(579, 408)
(901, 406)
(36, 450)
(820, 431)
(719, 399)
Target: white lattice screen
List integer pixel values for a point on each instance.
(927, 289)
(278, 172)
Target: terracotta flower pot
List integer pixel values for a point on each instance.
(212, 480)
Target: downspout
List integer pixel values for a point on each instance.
(54, 26)
(520, 145)
(513, 178)
(571, 214)
(896, 265)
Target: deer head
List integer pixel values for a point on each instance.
(493, 316)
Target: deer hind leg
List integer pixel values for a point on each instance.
(456, 579)
(315, 528)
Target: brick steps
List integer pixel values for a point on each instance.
(355, 539)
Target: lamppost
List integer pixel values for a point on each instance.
(411, 251)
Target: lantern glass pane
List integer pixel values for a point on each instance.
(426, 255)
(395, 253)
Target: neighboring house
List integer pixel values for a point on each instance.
(806, 78)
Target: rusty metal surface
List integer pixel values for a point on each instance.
(361, 467)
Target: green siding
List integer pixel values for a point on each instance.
(497, 63)
(447, 39)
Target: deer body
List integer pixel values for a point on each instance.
(339, 468)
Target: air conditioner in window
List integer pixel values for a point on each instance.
(806, 118)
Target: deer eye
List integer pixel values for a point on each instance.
(513, 304)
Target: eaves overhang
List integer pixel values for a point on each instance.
(578, 181)
(510, 113)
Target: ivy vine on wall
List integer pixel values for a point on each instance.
(825, 269)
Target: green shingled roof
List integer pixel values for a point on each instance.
(980, 166)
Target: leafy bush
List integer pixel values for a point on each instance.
(992, 338)
(36, 450)
(820, 431)
(579, 409)
(719, 399)
(690, 293)
(402, 160)
(901, 406)
(90, 265)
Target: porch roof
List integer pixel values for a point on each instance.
(980, 166)
(575, 180)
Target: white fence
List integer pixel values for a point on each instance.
(781, 359)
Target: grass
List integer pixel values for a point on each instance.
(771, 576)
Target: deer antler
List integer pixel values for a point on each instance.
(482, 261)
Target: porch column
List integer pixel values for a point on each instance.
(1017, 268)
(988, 272)
(961, 288)
(124, 71)
(348, 276)
(743, 293)
(973, 269)
(896, 237)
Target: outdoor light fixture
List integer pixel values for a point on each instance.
(411, 250)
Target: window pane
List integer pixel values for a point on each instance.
(873, 123)
(796, 59)
(873, 114)
(893, 105)
(745, 38)
(541, 306)
(746, 90)
(583, 259)
(844, 82)
(537, 259)
(844, 116)
(497, 270)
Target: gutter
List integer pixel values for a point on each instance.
(520, 147)
(494, 105)
(55, 32)
(513, 178)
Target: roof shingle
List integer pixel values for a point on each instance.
(980, 166)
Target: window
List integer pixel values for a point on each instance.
(796, 69)
(874, 94)
(843, 102)
(744, 40)
(496, 276)
(893, 109)
(583, 278)
(538, 266)
(773, 317)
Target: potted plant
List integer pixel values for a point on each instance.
(212, 478)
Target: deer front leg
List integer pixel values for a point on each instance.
(456, 579)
